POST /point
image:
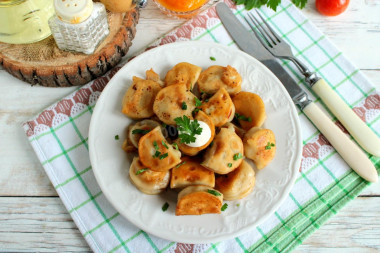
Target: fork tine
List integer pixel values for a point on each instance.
(270, 28)
(253, 24)
(264, 30)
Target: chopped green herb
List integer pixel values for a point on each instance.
(164, 125)
(163, 156)
(213, 192)
(140, 131)
(116, 137)
(165, 206)
(242, 117)
(141, 171)
(164, 144)
(212, 58)
(157, 154)
(182, 163)
(238, 156)
(202, 92)
(269, 145)
(187, 129)
(237, 204)
(155, 145)
(229, 165)
(184, 106)
(197, 102)
(224, 207)
(196, 110)
(175, 145)
(206, 100)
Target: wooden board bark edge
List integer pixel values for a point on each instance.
(85, 70)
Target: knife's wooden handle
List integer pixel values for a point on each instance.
(348, 150)
(354, 125)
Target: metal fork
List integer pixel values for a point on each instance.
(276, 45)
(280, 49)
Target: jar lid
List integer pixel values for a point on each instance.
(73, 11)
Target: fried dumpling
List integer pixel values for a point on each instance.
(138, 100)
(219, 108)
(197, 200)
(172, 102)
(136, 131)
(155, 153)
(239, 131)
(260, 146)
(225, 154)
(146, 180)
(216, 77)
(151, 75)
(192, 151)
(183, 72)
(238, 183)
(190, 172)
(250, 109)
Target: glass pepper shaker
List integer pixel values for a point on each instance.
(79, 25)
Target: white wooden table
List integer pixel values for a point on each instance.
(32, 217)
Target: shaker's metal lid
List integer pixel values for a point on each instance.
(73, 11)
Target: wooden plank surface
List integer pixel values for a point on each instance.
(33, 218)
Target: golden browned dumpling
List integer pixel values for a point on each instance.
(239, 131)
(190, 172)
(151, 75)
(157, 154)
(172, 102)
(138, 100)
(219, 108)
(226, 153)
(251, 109)
(136, 131)
(216, 77)
(192, 151)
(238, 183)
(146, 180)
(260, 146)
(183, 72)
(197, 200)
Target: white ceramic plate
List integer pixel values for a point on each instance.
(110, 163)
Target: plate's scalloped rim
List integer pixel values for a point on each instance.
(219, 234)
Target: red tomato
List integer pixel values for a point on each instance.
(331, 7)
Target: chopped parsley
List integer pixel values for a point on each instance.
(141, 171)
(175, 145)
(158, 153)
(197, 102)
(182, 163)
(213, 192)
(116, 137)
(229, 165)
(242, 117)
(269, 145)
(165, 206)
(224, 207)
(187, 129)
(140, 131)
(164, 144)
(238, 204)
(212, 58)
(163, 156)
(238, 156)
(164, 125)
(184, 106)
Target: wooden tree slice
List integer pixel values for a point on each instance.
(45, 64)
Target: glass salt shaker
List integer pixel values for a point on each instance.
(79, 25)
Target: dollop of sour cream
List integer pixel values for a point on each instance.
(203, 138)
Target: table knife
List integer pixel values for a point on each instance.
(346, 148)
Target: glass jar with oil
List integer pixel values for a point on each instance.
(25, 21)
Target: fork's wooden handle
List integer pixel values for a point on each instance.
(366, 138)
(347, 149)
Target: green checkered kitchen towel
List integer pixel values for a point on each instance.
(59, 136)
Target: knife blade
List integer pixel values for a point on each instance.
(347, 149)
